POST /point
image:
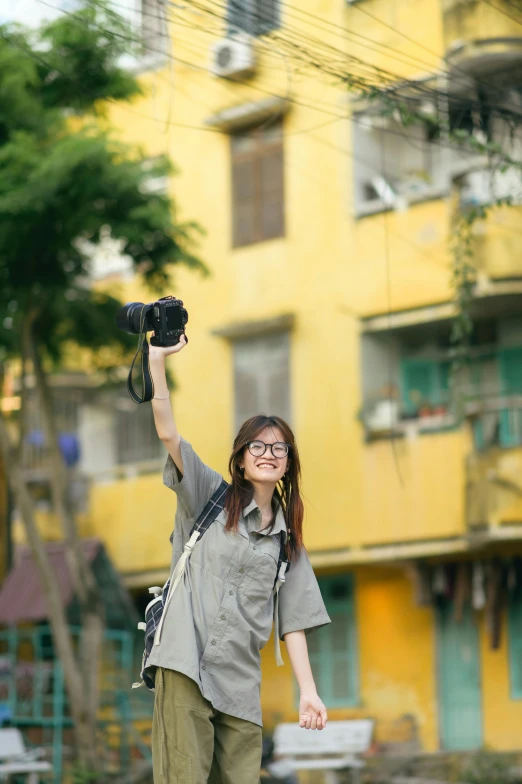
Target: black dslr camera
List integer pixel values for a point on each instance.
(167, 317)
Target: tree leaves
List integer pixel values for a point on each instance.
(81, 66)
(59, 185)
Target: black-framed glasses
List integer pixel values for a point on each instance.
(258, 448)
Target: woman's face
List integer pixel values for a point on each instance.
(267, 467)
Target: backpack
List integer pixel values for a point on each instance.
(155, 611)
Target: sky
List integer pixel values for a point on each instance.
(33, 12)
(30, 12)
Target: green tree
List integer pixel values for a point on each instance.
(60, 188)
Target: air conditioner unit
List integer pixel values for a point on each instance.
(233, 58)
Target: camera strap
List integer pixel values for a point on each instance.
(147, 385)
(146, 379)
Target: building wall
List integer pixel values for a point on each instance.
(393, 683)
(330, 270)
(398, 670)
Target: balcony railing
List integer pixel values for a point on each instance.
(495, 420)
(466, 23)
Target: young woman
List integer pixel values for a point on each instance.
(207, 713)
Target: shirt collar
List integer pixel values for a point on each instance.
(279, 524)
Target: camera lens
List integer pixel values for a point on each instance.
(128, 318)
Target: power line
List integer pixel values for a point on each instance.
(192, 65)
(365, 86)
(361, 9)
(415, 85)
(297, 36)
(39, 59)
(319, 24)
(313, 107)
(500, 11)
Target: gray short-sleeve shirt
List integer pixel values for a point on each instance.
(221, 614)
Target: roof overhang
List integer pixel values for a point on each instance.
(243, 115)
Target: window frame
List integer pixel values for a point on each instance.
(514, 614)
(250, 344)
(437, 374)
(250, 12)
(254, 158)
(153, 34)
(326, 654)
(390, 198)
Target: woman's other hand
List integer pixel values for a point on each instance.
(312, 712)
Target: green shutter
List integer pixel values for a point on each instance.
(333, 649)
(510, 364)
(515, 644)
(424, 381)
(510, 367)
(459, 679)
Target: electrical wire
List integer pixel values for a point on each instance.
(504, 113)
(192, 127)
(319, 23)
(389, 317)
(500, 11)
(298, 132)
(383, 73)
(257, 88)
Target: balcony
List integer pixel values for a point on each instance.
(496, 250)
(485, 104)
(471, 23)
(413, 491)
(493, 474)
(460, 483)
(453, 469)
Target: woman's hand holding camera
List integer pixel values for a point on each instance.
(162, 352)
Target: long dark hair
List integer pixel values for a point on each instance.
(287, 492)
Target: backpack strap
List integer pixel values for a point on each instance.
(281, 559)
(213, 508)
(203, 523)
(283, 566)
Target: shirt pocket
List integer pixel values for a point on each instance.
(262, 570)
(218, 551)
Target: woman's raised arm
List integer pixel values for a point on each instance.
(163, 416)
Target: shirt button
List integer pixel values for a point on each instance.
(213, 642)
(241, 570)
(254, 548)
(203, 666)
(223, 617)
(231, 592)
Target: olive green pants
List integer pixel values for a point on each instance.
(192, 743)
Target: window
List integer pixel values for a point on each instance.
(257, 185)
(67, 403)
(114, 431)
(255, 17)
(136, 438)
(262, 377)
(154, 28)
(515, 643)
(394, 165)
(333, 649)
(424, 382)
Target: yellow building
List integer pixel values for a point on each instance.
(329, 302)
